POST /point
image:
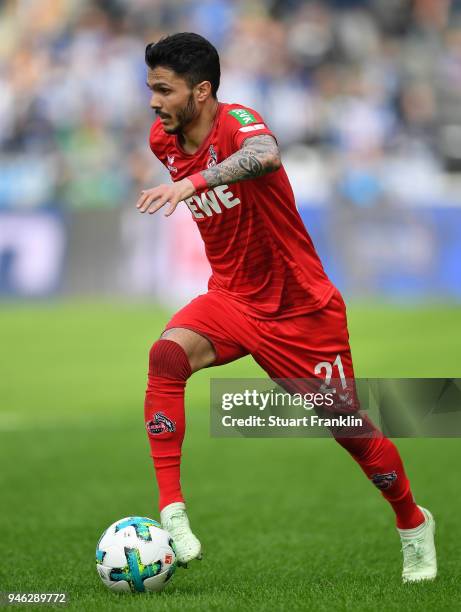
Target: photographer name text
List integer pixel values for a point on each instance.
(311, 420)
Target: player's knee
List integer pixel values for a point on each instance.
(169, 360)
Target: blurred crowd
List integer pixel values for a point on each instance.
(364, 96)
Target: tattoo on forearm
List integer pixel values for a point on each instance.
(258, 156)
(251, 165)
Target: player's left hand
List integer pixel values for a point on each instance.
(153, 199)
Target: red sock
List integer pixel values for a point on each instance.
(380, 460)
(169, 369)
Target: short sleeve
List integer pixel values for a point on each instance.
(243, 123)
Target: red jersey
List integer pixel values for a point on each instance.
(260, 253)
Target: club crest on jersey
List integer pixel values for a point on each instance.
(213, 157)
(170, 162)
(160, 424)
(384, 481)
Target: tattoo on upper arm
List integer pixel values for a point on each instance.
(259, 155)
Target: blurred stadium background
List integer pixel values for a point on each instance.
(365, 97)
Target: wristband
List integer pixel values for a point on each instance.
(198, 181)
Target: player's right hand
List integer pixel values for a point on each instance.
(151, 200)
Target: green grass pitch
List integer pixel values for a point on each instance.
(285, 524)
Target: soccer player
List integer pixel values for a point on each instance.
(268, 294)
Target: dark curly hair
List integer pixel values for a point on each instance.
(189, 55)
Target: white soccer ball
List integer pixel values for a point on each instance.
(135, 555)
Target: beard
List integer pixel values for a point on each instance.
(187, 114)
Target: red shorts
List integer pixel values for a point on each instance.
(295, 348)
